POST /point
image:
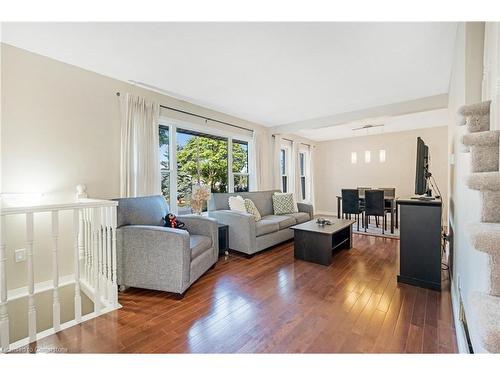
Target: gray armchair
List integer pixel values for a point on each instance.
(152, 256)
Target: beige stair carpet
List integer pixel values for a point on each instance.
(485, 237)
(483, 145)
(476, 117)
(486, 318)
(484, 150)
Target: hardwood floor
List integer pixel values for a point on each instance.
(275, 304)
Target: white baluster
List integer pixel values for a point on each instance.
(88, 233)
(56, 307)
(4, 315)
(104, 255)
(102, 284)
(95, 258)
(114, 255)
(83, 235)
(111, 292)
(78, 298)
(81, 240)
(31, 278)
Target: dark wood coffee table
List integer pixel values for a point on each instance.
(315, 243)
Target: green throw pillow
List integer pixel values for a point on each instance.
(283, 203)
(252, 210)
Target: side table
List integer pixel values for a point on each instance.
(223, 239)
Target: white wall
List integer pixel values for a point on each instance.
(60, 126)
(469, 266)
(334, 170)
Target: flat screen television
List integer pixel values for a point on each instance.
(422, 168)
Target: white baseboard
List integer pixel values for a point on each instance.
(463, 346)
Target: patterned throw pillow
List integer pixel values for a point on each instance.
(252, 210)
(283, 203)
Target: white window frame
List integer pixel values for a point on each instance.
(288, 153)
(230, 163)
(174, 124)
(303, 177)
(305, 150)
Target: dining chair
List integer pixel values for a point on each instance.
(389, 193)
(375, 206)
(351, 205)
(361, 191)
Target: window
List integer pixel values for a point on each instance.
(240, 166)
(302, 166)
(284, 170)
(189, 157)
(201, 159)
(165, 162)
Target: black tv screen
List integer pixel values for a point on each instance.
(421, 167)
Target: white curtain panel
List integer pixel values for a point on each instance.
(311, 174)
(276, 164)
(256, 177)
(139, 167)
(295, 177)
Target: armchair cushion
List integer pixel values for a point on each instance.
(199, 244)
(141, 210)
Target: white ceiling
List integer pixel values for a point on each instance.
(269, 73)
(420, 120)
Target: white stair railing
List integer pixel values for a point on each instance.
(94, 274)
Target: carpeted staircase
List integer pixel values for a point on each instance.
(483, 145)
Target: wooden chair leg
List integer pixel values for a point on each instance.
(376, 221)
(357, 217)
(367, 218)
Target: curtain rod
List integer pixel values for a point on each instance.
(291, 140)
(203, 117)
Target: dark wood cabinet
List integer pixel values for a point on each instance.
(420, 243)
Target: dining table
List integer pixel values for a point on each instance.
(388, 199)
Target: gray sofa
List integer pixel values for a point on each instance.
(248, 236)
(152, 256)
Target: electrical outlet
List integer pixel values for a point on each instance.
(20, 255)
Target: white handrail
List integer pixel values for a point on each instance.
(94, 252)
(13, 209)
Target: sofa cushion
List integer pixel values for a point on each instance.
(283, 203)
(300, 217)
(141, 210)
(199, 244)
(283, 221)
(264, 226)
